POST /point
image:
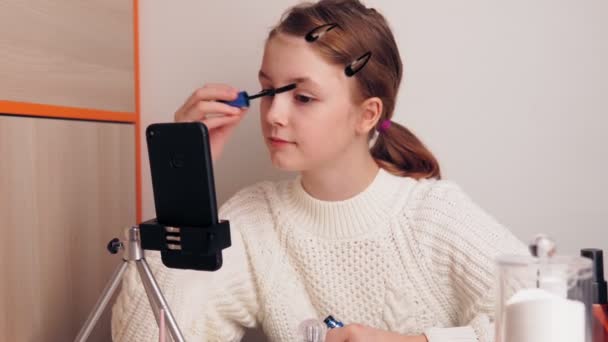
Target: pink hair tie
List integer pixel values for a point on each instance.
(384, 126)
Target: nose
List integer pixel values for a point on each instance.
(277, 114)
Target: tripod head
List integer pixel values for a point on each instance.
(196, 248)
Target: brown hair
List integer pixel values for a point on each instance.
(361, 30)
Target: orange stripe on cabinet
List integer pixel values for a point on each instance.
(61, 112)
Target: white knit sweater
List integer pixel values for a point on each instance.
(407, 256)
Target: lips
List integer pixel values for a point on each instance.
(278, 143)
(279, 140)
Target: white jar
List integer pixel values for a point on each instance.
(543, 299)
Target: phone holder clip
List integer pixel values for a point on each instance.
(187, 247)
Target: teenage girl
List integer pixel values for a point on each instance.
(371, 236)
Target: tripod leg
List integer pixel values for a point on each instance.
(101, 304)
(159, 299)
(154, 303)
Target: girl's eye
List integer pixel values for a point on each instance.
(303, 98)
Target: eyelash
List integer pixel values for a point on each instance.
(303, 99)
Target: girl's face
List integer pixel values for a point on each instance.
(313, 125)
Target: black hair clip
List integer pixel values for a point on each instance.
(358, 64)
(314, 34)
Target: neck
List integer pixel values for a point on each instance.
(341, 180)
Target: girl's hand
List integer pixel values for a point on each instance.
(220, 118)
(361, 333)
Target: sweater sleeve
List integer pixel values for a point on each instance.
(460, 243)
(208, 306)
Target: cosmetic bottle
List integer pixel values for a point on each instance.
(543, 297)
(599, 296)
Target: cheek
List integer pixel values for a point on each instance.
(328, 128)
(264, 106)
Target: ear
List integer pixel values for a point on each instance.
(371, 110)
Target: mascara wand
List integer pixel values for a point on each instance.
(243, 98)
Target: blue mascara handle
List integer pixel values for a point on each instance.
(241, 101)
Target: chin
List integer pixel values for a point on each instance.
(284, 166)
(283, 163)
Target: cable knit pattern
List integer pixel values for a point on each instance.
(413, 257)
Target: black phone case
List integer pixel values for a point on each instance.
(183, 185)
(182, 174)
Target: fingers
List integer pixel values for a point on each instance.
(212, 92)
(214, 122)
(204, 101)
(337, 335)
(202, 109)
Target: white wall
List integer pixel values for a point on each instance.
(510, 95)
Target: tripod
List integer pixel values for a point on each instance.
(132, 252)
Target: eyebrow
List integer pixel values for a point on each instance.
(302, 79)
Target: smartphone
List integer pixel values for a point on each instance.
(183, 185)
(182, 174)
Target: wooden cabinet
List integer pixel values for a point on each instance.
(68, 53)
(67, 187)
(69, 170)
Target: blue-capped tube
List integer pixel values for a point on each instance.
(313, 330)
(332, 323)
